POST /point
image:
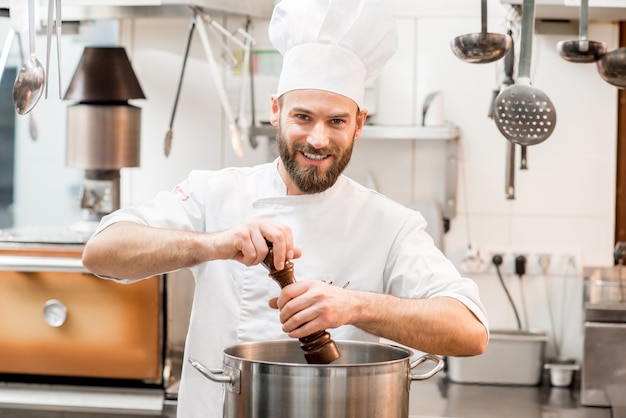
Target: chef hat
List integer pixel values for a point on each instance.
(332, 45)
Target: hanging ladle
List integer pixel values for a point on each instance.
(482, 47)
(524, 114)
(612, 67)
(582, 50)
(29, 83)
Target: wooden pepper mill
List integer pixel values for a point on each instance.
(318, 347)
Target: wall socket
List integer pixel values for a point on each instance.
(548, 262)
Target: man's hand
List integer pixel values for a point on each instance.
(310, 306)
(246, 243)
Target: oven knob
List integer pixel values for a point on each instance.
(54, 313)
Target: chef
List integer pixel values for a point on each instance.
(365, 267)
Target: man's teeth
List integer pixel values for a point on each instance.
(314, 156)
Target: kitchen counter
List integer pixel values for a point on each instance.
(438, 397)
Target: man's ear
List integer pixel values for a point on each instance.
(360, 121)
(275, 111)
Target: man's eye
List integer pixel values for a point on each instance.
(302, 116)
(337, 121)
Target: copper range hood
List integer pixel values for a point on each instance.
(103, 129)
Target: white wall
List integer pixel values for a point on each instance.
(565, 201)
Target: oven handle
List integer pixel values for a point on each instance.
(38, 264)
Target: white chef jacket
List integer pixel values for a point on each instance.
(349, 235)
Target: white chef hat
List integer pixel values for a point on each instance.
(332, 45)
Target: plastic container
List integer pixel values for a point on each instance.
(511, 358)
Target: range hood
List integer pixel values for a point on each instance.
(80, 10)
(601, 10)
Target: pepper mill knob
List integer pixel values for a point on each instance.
(318, 347)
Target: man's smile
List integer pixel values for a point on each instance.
(315, 157)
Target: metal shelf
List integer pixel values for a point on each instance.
(409, 133)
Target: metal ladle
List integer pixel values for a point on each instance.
(29, 83)
(524, 114)
(582, 50)
(482, 47)
(612, 67)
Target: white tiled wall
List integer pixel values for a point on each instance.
(565, 200)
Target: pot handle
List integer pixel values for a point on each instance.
(214, 374)
(430, 373)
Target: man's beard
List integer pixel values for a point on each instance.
(312, 179)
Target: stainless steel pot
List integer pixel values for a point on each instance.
(272, 379)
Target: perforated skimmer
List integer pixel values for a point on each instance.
(524, 114)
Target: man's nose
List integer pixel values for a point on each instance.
(319, 136)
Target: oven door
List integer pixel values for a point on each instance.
(58, 320)
(72, 341)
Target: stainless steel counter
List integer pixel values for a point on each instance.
(438, 397)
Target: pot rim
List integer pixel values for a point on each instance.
(401, 353)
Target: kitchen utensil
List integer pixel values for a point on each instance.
(510, 170)
(54, 9)
(319, 347)
(509, 68)
(426, 105)
(272, 379)
(246, 78)
(234, 134)
(612, 67)
(48, 42)
(58, 26)
(30, 80)
(509, 65)
(524, 114)
(33, 130)
(227, 58)
(482, 47)
(524, 160)
(582, 50)
(170, 133)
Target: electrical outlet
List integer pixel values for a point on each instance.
(551, 262)
(473, 260)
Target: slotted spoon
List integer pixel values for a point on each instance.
(524, 114)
